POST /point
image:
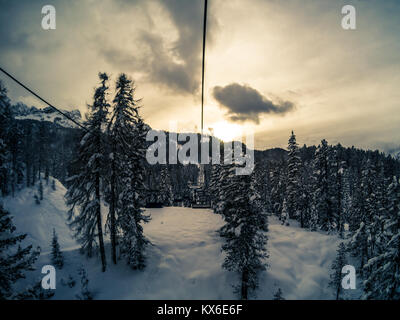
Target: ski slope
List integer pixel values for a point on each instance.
(185, 258)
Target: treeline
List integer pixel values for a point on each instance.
(32, 151)
(345, 191)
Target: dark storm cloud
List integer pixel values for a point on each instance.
(183, 76)
(245, 103)
(176, 66)
(180, 77)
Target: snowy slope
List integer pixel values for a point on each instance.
(184, 261)
(38, 221)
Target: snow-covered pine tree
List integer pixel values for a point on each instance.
(244, 231)
(337, 185)
(346, 201)
(362, 243)
(293, 185)
(383, 277)
(278, 295)
(4, 155)
(284, 214)
(214, 187)
(378, 220)
(40, 189)
(13, 261)
(85, 293)
(84, 189)
(166, 194)
(57, 257)
(14, 144)
(128, 132)
(337, 266)
(260, 183)
(322, 200)
(11, 134)
(277, 177)
(305, 200)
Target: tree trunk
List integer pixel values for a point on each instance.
(112, 217)
(245, 279)
(113, 227)
(99, 224)
(338, 291)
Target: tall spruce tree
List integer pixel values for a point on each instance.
(244, 231)
(322, 196)
(214, 187)
(362, 243)
(57, 257)
(166, 193)
(5, 121)
(337, 266)
(128, 133)
(4, 155)
(84, 192)
(284, 218)
(13, 261)
(383, 270)
(293, 187)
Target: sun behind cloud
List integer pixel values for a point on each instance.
(227, 131)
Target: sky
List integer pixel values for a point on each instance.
(271, 66)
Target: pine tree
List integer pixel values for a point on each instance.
(85, 294)
(278, 295)
(277, 178)
(260, 185)
(4, 156)
(346, 201)
(84, 189)
(128, 132)
(322, 201)
(57, 257)
(40, 189)
(305, 201)
(293, 188)
(383, 280)
(214, 187)
(16, 166)
(370, 205)
(337, 266)
(244, 231)
(284, 214)
(166, 187)
(13, 262)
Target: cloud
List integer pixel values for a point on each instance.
(245, 103)
(179, 76)
(173, 64)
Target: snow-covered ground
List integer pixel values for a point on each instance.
(184, 260)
